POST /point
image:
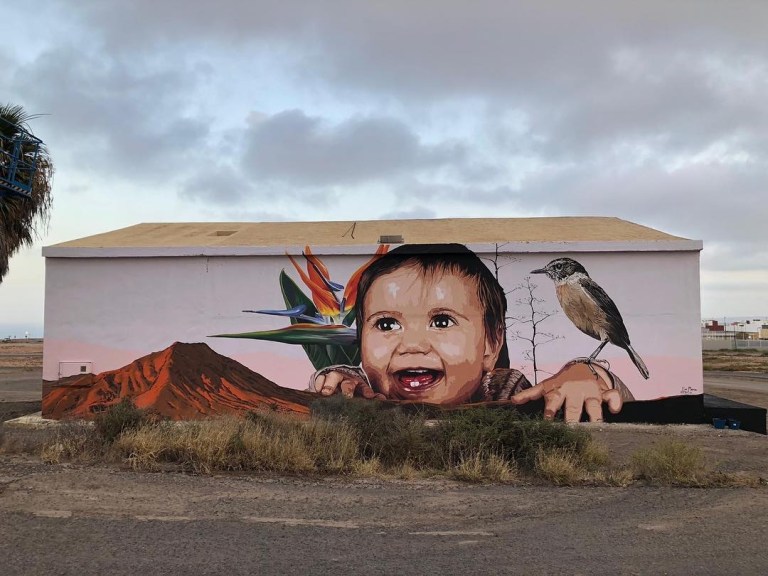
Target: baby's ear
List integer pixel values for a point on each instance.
(491, 352)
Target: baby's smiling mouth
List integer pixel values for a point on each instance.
(418, 379)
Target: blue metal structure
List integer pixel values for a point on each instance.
(18, 159)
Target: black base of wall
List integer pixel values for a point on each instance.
(695, 409)
(674, 410)
(752, 418)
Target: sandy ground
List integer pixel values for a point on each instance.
(22, 355)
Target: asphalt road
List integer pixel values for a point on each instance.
(751, 381)
(87, 521)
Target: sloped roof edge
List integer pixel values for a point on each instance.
(264, 237)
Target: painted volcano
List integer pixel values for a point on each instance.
(184, 381)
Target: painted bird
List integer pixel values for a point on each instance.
(590, 308)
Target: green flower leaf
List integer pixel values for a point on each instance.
(294, 296)
(302, 334)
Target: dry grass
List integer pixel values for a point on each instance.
(270, 442)
(594, 456)
(21, 356)
(590, 465)
(468, 447)
(406, 471)
(620, 477)
(71, 442)
(479, 467)
(367, 467)
(559, 467)
(405, 447)
(670, 462)
(735, 360)
(673, 463)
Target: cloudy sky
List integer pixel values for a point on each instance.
(189, 110)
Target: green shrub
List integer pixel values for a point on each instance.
(670, 462)
(508, 434)
(118, 418)
(385, 431)
(395, 436)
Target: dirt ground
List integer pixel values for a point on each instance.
(746, 360)
(21, 355)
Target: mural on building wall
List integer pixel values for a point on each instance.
(419, 323)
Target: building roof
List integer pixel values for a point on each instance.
(341, 236)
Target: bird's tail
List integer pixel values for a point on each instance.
(638, 361)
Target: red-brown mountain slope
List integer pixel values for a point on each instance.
(183, 381)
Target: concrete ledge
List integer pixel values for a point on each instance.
(37, 422)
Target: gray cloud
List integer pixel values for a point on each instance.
(712, 201)
(112, 115)
(409, 214)
(218, 184)
(595, 77)
(435, 46)
(293, 147)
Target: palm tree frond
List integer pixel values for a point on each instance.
(23, 218)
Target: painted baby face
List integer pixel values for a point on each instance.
(423, 337)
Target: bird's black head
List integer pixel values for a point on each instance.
(561, 268)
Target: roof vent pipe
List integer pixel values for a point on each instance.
(391, 239)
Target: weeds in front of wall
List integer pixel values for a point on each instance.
(72, 441)
(119, 418)
(484, 467)
(364, 438)
(266, 442)
(670, 462)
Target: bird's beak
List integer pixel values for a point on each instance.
(539, 271)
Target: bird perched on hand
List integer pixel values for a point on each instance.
(589, 307)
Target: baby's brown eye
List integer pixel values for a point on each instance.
(387, 324)
(442, 321)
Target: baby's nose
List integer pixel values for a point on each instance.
(414, 340)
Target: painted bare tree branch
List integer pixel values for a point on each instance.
(529, 318)
(496, 268)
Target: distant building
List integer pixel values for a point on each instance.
(713, 326)
(753, 329)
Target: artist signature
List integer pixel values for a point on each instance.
(687, 390)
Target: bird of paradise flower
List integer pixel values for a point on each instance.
(322, 324)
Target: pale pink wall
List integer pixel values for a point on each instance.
(110, 311)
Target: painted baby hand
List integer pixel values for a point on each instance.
(581, 387)
(350, 381)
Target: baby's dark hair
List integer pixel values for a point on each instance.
(456, 258)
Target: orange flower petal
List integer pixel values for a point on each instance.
(324, 300)
(315, 267)
(350, 292)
